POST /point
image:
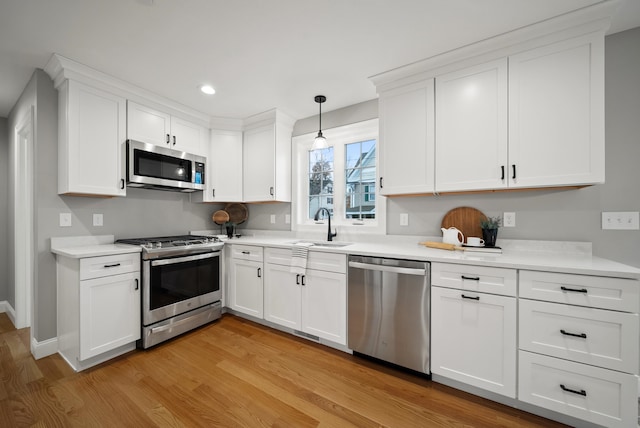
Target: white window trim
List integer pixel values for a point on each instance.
(337, 138)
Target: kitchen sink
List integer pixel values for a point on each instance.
(327, 244)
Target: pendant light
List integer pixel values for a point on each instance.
(320, 142)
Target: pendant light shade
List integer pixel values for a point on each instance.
(320, 142)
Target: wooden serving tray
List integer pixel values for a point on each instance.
(465, 219)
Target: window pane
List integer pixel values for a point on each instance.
(352, 155)
(360, 179)
(320, 180)
(314, 204)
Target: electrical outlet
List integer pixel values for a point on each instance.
(404, 219)
(287, 218)
(628, 220)
(97, 220)
(509, 220)
(65, 219)
(273, 219)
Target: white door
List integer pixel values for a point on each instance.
(246, 287)
(187, 136)
(224, 166)
(282, 294)
(109, 313)
(473, 339)
(259, 164)
(148, 125)
(324, 305)
(407, 139)
(556, 114)
(471, 128)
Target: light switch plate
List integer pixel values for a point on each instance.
(273, 219)
(287, 218)
(97, 220)
(626, 220)
(65, 219)
(404, 219)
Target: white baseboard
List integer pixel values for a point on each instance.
(44, 348)
(11, 313)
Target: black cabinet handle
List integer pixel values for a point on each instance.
(246, 252)
(174, 140)
(122, 183)
(137, 284)
(381, 182)
(470, 297)
(471, 278)
(298, 279)
(566, 333)
(168, 139)
(574, 290)
(514, 172)
(213, 193)
(303, 277)
(502, 168)
(573, 391)
(271, 190)
(113, 265)
(259, 272)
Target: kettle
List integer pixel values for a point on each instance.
(452, 236)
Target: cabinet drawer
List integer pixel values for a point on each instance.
(247, 252)
(590, 393)
(475, 278)
(96, 267)
(584, 290)
(318, 260)
(593, 336)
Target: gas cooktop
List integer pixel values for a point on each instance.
(168, 246)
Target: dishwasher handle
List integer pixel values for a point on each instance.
(384, 268)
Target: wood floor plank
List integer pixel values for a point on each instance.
(232, 373)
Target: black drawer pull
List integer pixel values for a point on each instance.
(574, 290)
(471, 278)
(381, 186)
(259, 272)
(113, 265)
(573, 391)
(168, 139)
(502, 177)
(470, 297)
(303, 277)
(137, 283)
(246, 252)
(566, 333)
(298, 279)
(514, 172)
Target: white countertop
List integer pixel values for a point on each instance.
(514, 258)
(78, 247)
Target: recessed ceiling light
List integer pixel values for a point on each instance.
(207, 89)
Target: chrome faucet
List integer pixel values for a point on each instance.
(317, 217)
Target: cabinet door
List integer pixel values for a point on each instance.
(188, 136)
(246, 287)
(148, 125)
(473, 339)
(324, 305)
(92, 136)
(407, 139)
(224, 167)
(282, 294)
(259, 164)
(471, 128)
(109, 313)
(556, 114)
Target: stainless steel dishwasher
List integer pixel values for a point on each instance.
(389, 304)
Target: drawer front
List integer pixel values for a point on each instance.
(601, 396)
(475, 278)
(97, 267)
(584, 290)
(318, 260)
(593, 336)
(247, 252)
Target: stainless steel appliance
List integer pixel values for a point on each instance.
(156, 167)
(389, 310)
(180, 284)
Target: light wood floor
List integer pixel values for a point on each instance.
(231, 373)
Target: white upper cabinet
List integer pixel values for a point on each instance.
(556, 114)
(471, 128)
(223, 181)
(156, 127)
(266, 155)
(92, 133)
(406, 139)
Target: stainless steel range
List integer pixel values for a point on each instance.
(180, 284)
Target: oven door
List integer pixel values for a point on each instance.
(173, 286)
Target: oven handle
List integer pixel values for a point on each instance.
(163, 262)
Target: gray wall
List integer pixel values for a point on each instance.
(4, 207)
(566, 215)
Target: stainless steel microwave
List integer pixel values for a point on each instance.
(157, 167)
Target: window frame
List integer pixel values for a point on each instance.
(337, 138)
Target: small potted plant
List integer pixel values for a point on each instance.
(230, 227)
(489, 228)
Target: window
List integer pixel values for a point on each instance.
(341, 178)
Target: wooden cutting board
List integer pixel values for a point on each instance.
(220, 217)
(466, 219)
(238, 213)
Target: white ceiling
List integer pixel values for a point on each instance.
(258, 54)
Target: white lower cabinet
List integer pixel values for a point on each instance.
(98, 307)
(245, 286)
(314, 302)
(473, 339)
